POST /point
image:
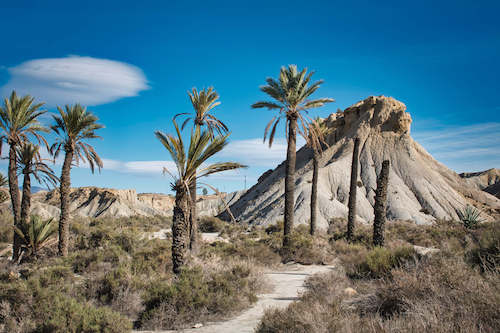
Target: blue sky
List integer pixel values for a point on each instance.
(133, 61)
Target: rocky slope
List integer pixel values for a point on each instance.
(488, 180)
(105, 202)
(420, 188)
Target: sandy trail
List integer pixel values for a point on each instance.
(287, 284)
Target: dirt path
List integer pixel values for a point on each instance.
(287, 283)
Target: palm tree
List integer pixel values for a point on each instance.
(31, 163)
(203, 102)
(18, 120)
(73, 126)
(315, 139)
(291, 92)
(201, 148)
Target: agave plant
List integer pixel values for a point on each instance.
(36, 234)
(470, 216)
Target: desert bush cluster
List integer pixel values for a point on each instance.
(396, 290)
(115, 278)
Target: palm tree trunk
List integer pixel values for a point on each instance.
(380, 205)
(14, 196)
(290, 179)
(193, 222)
(64, 189)
(351, 216)
(26, 200)
(314, 192)
(180, 228)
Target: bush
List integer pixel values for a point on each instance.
(438, 295)
(210, 224)
(486, 255)
(195, 296)
(378, 262)
(34, 306)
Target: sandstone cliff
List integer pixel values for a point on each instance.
(420, 188)
(106, 202)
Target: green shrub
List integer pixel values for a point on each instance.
(28, 306)
(196, 295)
(211, 224)
(378, 262)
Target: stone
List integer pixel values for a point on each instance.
(350, 292)
(425, 251)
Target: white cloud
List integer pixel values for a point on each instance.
(140, 167)
(74, 79)
(254, 152)
(464, 148)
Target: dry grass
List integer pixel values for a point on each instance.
(456, 290)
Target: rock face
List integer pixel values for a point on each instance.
(420, 188)
(105, 202)
(488, 181)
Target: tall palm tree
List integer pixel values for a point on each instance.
(203, 102)
(291, 93)
(18, 120)
(201, 148)
(315, 139)
(31, 163)
(74, 125)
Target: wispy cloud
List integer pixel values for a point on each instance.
(464, 148)
(256, 153)
(74, 79)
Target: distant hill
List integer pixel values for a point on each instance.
(103, 202)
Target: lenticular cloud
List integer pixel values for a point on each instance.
(74, 79)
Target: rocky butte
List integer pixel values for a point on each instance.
(420, 188)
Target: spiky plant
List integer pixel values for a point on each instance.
(36, 234)
(316, 140)
(470, 216)
(200, 149)
(18, 121)
(291, 93)
(30, 163)
(74, 126)
(203, 103)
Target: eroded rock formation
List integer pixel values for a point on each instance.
(420, 188)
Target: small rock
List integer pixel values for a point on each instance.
(425, 251)
(350, 292)
(198, 325)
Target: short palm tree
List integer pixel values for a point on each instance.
(291, 93)
(18, 120)
(316, 140)
(36, 234)
(203, 102)
(74, 125)
(31, 163)
(201, 148)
